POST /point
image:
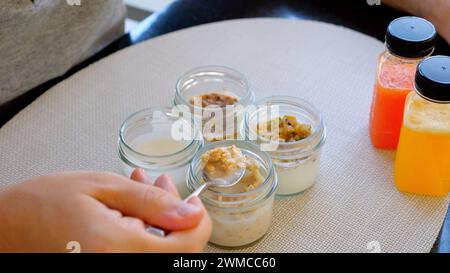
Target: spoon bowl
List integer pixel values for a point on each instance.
(224, 182)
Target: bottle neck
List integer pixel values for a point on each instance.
(394, 57)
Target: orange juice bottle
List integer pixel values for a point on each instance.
(422, 165)
(408, 41)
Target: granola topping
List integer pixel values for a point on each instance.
(214, 99)
(221, 162)
(288, 127)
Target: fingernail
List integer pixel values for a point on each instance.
(187, 210)
(144, 177)
(163, 182)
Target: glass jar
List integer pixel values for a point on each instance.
(216, 123)
(408, 41)
(297, 163)
(422, 164)
(152, 139)
(239, 218)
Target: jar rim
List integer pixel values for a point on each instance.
(209, 69)
(292, 101)
(271, 175)
(166, 111)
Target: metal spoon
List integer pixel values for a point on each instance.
(225, 182)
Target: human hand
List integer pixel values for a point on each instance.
(437, 11)
(103, 212)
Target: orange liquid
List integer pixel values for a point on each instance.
(423, 157)
(394, 83)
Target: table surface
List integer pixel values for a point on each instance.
(358, 15)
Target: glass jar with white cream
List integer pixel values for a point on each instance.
(292, 131)
(159, 141)
(242, 214)
(217, 97)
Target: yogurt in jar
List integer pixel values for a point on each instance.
(292, 132)
(297, 176)
(146, 142)
(242, 227)
(165, 149)
(241, 214)
(217, 97)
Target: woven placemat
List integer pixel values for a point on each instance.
(353, 207)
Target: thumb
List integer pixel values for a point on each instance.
(153, 205)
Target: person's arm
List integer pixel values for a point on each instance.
(437, 11)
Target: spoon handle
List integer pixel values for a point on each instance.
(197, 192)
(155, 231)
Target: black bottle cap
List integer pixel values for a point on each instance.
(433, 79)
(411, 37)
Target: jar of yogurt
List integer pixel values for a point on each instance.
(292, 131)
(242, 214)
(159, 141)
(217, 97)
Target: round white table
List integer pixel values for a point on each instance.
(354, 207)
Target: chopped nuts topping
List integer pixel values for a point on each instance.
(214, 99)
(222, 161)
(289, 129)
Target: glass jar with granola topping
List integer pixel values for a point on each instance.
(217, 97)
(292, 131)
(241, 214)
